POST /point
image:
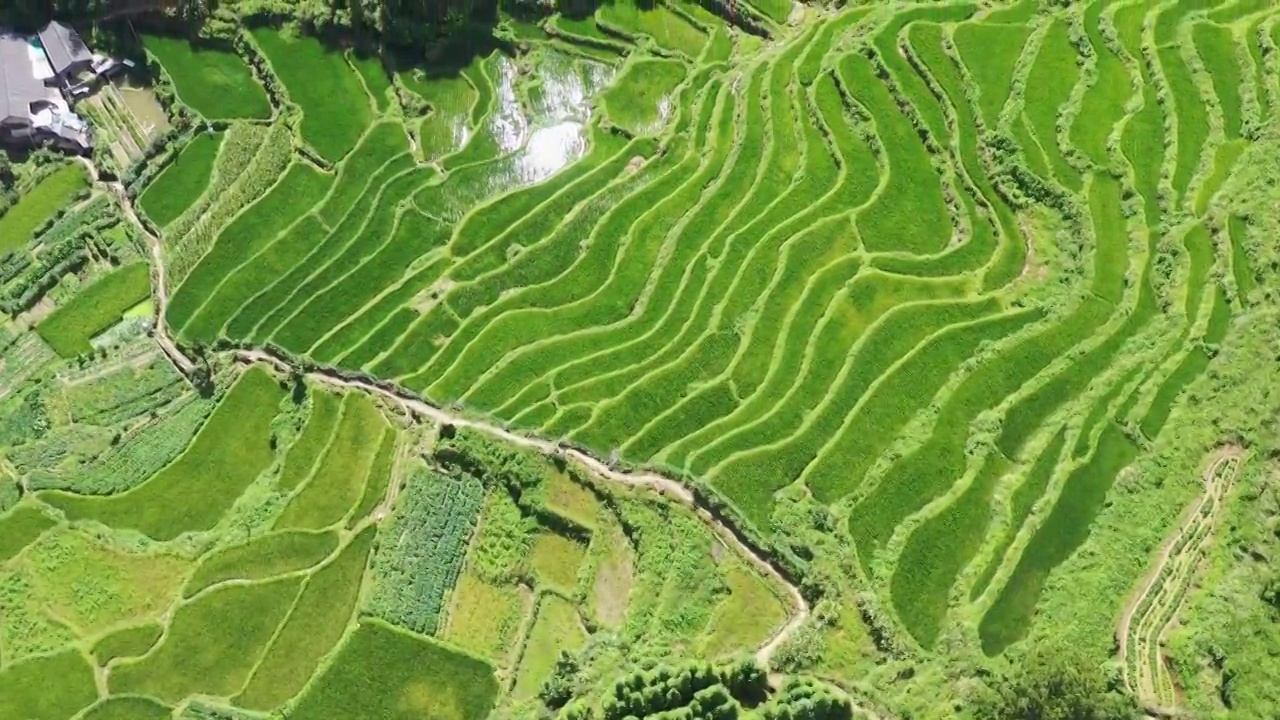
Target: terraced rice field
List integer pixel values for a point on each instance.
(821, 263)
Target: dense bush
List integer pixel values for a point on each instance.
(1055, 683)
(495, 464)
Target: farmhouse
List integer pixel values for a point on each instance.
(35, 75)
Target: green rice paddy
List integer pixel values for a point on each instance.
(680, 306)
(903, 292)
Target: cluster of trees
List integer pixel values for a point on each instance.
(699, 691)
(401, 22)
(1055, 684)
(665, 688)
(497, 465)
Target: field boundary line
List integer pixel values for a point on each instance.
(705, 176)
(531, 294)
(1181, 552)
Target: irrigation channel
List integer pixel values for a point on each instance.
(416, 406)
(1154, 609)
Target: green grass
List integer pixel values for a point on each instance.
(937, 551)
(557, 629)
(1228, 12)
(854, 310)
(811, 63)
(95, 587)
(130, 642)
(668, 29)
(215, 83)
(929, 471)
(445, 129)
(128, 708)
(1103, 104)
(1192, 118)
(298, 190)
(302, 262)
(324, 308)
(602, 299)
(263, 557)
(19, 223)
(315, 625)
(307, 450)
(1224, 161)
(20, 527)
(775, 10)
(831, 452)
(339, 478)
(1241, 267)
(26, 628)
(583, 27)
(569, 498)
(746, 617)
(556, 560)
(1033, 486)
(1199, 247)
(850, 451)
(390, 675)
(1015, 12)
(1142, 141)
(51, 687)
(96, 308)
(1219, 323)
(1193, 364)
(910, 83)
(991, 52)
(335, 107)
(485, 617)
(183, 182)
(909, 215)
(1216, 47)
(1111, 238)
(378, 480)
(1261, 84)
(375, 77)
(1066, 528)
(195, 491)
(1053, 75)
(644, 217)
(212, 643)
(639, 101)
(1010, 250)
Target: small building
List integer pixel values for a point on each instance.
(67, 54)
(33, 110)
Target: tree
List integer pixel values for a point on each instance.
(558, 689)
(1055, 684)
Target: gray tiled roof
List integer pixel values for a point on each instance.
(18, 84)
(63, 46)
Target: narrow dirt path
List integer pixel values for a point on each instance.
(159, 284)
(1159, 598)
